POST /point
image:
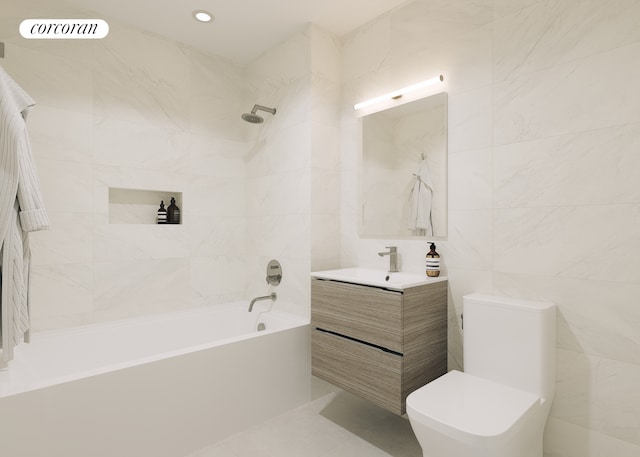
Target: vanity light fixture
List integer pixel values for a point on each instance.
(202, 16)
(400, 92)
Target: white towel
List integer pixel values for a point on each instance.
(420, 201)
(21, 211)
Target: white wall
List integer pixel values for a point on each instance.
(131, 111)
(544, 122)
(292, 184)
(138, 111)
(544, 129)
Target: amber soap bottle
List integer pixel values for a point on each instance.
(433, 262)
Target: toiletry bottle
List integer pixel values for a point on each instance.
(162, 213)
(433, 262)
(173, 213)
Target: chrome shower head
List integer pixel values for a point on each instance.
(253, 117)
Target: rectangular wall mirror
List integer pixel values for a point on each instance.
(403, 171)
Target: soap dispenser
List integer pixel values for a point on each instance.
(162, 213)
(173, 213)
(433, 262)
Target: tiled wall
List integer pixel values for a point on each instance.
(132, 111)
(138, 111)
(292, 184)
(544, 122)
(544, 201)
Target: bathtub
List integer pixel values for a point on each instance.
(161, 386)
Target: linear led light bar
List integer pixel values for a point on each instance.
(400, 92)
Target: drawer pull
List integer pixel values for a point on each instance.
(356, 340)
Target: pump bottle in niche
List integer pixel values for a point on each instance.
(433, 262)
(162, 213)
(173, 213)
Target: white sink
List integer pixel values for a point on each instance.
(377, 278)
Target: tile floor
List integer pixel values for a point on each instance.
(334, 424)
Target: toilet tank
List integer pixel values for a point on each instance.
(511, 341)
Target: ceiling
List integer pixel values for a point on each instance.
(242, 29)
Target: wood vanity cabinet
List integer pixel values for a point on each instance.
(377, 343)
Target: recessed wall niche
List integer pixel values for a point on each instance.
(139, 206)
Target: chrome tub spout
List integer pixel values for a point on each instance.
(271, 296)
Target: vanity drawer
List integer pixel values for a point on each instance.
(365, 313)
(358, 368)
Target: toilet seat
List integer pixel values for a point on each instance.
(470, 409)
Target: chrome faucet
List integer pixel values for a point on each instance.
(271, 296)
(393, 258)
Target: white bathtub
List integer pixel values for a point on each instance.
(157, 386)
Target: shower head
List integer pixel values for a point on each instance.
(253, 117)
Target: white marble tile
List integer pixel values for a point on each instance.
(325, 242)
(470, 183)
(282, 149)
(136, 287)
(600, 318)
(114, 242)
(324, 101)
(450, 38)
(599, 394)
(219, 197)
(211, 235)
(59, 134)
(470, 120)
(325, 51)
(142, 78)
(594, 167)
(549, 33)
(469, 240)
(216, 156)
(285, 193)
(61, 295)
(66, 186)
(216, 278)
(325, 192)
(217, 93)
(68, 240)
(365, 51)
(364, 85)
(325, 146)
(563, 439)
(286, 61)
(279, 236)
(125, 143)
(598, 91)
(67, 83)
(568, 241)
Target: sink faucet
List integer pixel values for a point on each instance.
(393, 258)
(271, 296)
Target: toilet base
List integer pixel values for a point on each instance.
(436, 444)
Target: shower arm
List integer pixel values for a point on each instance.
(263, 108)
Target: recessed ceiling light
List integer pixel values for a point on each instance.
(202, 16)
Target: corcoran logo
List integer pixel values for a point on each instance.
(64, 29)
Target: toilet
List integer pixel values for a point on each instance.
(499, 405)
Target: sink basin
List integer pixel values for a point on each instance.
(377, 278)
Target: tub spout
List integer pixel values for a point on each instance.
(271, 296)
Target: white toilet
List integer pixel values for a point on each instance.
(499, 405)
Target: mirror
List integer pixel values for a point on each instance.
(403, 171)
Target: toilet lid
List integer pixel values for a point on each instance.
(462, 404)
